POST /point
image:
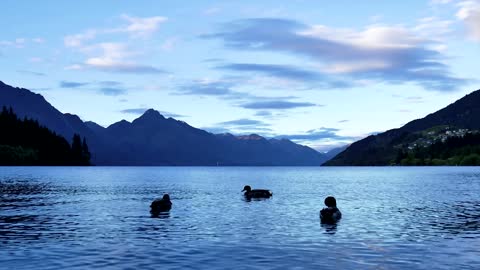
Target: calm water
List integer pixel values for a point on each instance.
(98, 217)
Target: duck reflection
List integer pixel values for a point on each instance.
(330, 228)
(160, 215)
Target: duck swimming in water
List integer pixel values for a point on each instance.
(161, 205)
(330, 214)
(256, 193)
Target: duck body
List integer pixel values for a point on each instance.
(330, 215)
(256, 193)
(161, 205)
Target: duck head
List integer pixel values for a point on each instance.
(166, 197)
(247, 189)
(330, 201)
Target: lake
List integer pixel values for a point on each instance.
(98, 217)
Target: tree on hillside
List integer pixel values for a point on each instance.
(26, 142)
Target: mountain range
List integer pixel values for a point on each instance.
(455, 120)
(153, 139)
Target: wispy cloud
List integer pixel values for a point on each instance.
(288, 72)
(276, 104)
(391, 54)
(115, 56)
(243, 122)
(469, 13)
(283, 71)
(241, 126)
(142, 110)
(266, 114)
(224, 89)
(169, 43)
(78, 40)
(70, 84)
(34, 73)
(317, 134)
(219, 88)
(141, 27)
(212, 11)
(136, 27)
(107, 88)
(19, 42)
(112, 91)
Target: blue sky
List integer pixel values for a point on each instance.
(322, 73)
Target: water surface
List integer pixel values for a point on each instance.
(98, 217)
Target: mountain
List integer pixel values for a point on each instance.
(384, 148)
(153, 139)
(335, 151)
(34, 106)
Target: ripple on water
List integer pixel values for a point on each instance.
(393, 218)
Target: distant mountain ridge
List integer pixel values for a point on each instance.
(153, 139)
(382, 149)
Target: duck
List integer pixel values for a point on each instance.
(161, 205)
(330, 214)
(256, 193)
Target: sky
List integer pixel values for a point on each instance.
(321, 73)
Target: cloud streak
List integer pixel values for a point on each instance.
(70, 84)
(276, 104)
(142, 110)
(112, 91)
(243, 122)
(381, 53)
(115, 56)
(209, 88)
(241, 126)
(288, 72)
(35, 73)
(320, 134)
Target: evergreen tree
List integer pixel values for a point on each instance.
(85, 152)
(26, 142)
(77, 149)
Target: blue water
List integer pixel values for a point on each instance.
(98, 217)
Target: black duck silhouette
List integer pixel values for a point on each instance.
(330, 214)
(161, 205)
(256, 193)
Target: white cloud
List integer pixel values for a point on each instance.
(440, 2)
(38, 40)
(384, 53)
(74, 67)
(141, 27)
(212, 11)
(469, 13)
(136, 27)
(78, 40)
(169, 43)
(17, 43)
(433, 28)
(115, 56)
(374, 36)
(360, 66)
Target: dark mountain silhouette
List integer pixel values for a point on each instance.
(153, 139)
(382, 149)
(34, 106)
